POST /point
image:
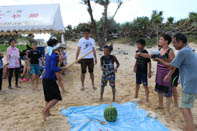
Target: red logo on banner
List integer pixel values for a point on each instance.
(15, 16)
(33, 15)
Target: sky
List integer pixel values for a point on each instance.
(73, 12)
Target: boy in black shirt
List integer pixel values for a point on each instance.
(141, 69)
(107, 66)
(34, 55)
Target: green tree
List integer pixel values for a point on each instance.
(106, 19)
(82, 26)
(156, 20)
(141, 25)
(193, 17)
(170, 20)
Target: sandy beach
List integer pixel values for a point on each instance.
(20, 108)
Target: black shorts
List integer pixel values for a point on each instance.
(175, 78)
(87, 63)
(51, 90)
(166, 91)
(142, 79)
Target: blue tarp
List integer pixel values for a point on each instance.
(130, 118)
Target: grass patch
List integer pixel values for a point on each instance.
(3, 48)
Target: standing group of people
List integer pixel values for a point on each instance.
(32, 68)
(170, 70)
(86, 45)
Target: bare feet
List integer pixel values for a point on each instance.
(168, 116)
(17, 87)
(148, 103)
(44, 116)
(113, 100)
(49, 114)
(160, 107)
(94, 88)
(35, 89)
(176, 105)
(10, 88)
(82, 89)
(101, 99)
(64, 91)
(182, 127)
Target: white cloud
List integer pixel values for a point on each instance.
(128, 11)
(74, 13)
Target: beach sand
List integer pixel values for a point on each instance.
(20, 108)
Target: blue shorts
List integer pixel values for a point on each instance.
(142, 79)
(35, 69)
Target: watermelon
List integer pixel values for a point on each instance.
(110, 114)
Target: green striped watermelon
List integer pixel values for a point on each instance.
(110, 114)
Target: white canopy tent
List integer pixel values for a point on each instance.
(30, 19)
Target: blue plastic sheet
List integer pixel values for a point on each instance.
(130, 118)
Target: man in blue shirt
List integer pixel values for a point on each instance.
(186, 62)
(50, 86)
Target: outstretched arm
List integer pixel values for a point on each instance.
(145, 55)
(50, 49)
(168, 65)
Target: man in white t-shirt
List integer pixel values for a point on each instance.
(85, 45)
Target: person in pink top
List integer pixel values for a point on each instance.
(12, 57)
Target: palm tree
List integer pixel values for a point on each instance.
(156, 20)
(170, 20)
(193, 17)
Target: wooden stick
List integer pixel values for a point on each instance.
(74, 62)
